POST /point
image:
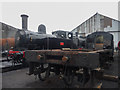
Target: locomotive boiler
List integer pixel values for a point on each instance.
(25, 39)
(34, 40)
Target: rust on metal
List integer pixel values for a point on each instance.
(64, 58)
(110, 78)
(7, 42)
(39, 57)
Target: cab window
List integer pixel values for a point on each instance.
(99, 39)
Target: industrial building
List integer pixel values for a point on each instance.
(7, 37)
(96, 23)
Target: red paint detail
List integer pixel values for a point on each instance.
(23, 54)
(11, 52)
(80, 48)
(61, 43)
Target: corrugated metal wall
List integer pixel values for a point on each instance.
(99, 22)
(8, 31)
(7, 39)
(0, 36)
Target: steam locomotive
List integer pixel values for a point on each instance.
(28, 40)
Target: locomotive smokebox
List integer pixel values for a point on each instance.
(24, 21)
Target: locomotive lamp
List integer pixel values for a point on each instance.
(70, 35)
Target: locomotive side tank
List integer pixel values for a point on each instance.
(79, 41)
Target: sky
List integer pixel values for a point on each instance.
(55, 15)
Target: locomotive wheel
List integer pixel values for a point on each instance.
(44, 73)
(84, 78)
(8, 58)
(68, 78)
(14, 61)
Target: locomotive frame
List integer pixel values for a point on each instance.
(83, 64)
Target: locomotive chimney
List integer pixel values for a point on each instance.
(24, 21)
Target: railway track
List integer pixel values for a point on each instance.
(6, 66)
(11, 68)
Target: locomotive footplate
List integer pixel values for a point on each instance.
(76, 58)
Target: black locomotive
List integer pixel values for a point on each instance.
(36, 41)
(87, 65)
(28, 40)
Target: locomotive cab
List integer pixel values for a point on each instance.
(102, 41)
(99, 40)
